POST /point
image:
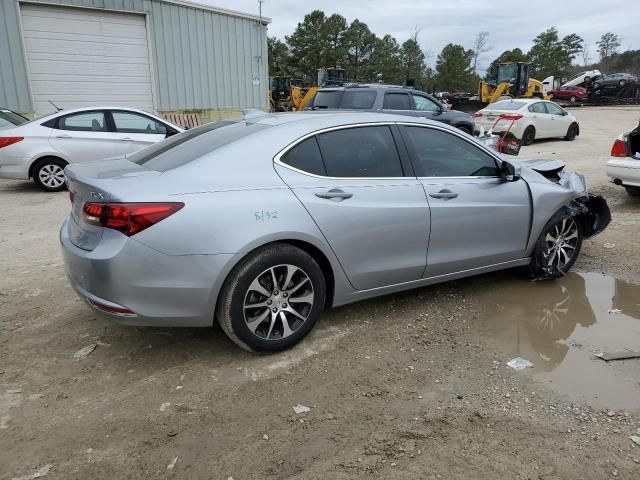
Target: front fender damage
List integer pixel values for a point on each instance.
(590, 211)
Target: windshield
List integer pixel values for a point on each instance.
(10, 119)
(187, 146)
(507, 105)
(507, 73)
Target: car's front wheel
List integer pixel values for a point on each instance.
(557, 247)
(272, 298)
(48, 174)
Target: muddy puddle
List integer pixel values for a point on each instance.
(559, 325)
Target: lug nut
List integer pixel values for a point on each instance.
(285, 294)
(275, 310)
(284, 305)
(269, 302)
(276, 292)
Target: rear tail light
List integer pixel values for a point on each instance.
(128, 218)
(511, 116)
(6, 141)
(619, 148)
(477, 114)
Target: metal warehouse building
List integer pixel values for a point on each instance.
(157, 55)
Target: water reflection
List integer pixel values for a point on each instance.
(559, 325)
(537, 319)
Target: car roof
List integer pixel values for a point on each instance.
(365, 86)
(323, 119)
(101, 107)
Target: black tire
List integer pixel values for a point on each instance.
(237, 290)
(587, 79)
(572, 133)
(622, 83)
(632, 190)
(48, 174)
(596, 86)
(528, 136)
(543, 263)
(465, 129)
(573, 99)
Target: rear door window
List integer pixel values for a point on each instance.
(553, 109)
(327, 99)
(305, 156)
(396, 101)
(361, 152)
(537, 108)
(83, 122)
(358, 99)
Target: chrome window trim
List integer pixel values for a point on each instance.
(277, 159)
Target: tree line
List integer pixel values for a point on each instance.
(321, 41)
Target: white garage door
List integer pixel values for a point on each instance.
(79, 57)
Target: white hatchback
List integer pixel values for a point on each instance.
(40, 149)
(528, 119)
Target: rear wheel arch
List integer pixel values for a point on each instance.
(316, 253)
(44, 158)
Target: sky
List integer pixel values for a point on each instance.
(442, 22)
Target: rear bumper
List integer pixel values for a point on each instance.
(161, 290)
(624, 170)
(14, 171)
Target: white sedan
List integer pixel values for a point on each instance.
(624, 166)
(582, 77)
(528, 119)
(40, 149)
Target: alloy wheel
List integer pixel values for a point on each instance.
(278, 302)
(561, 243)
(51, 175)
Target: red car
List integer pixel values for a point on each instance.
(573, 94)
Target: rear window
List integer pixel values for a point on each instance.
(187, 146)
(330, 99)
(507, 105)
(345, 100)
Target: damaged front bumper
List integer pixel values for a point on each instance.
(593, 212)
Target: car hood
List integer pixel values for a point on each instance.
(553, 170)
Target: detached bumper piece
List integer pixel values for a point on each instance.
(594, 213)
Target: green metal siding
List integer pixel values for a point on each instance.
(202, 60)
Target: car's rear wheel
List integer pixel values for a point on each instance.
(573, 99)
(596, 86)
(633, 191)
(557, 247)
(622, 83)
(529, 135)
(587, 79)
(572, 133)
(272, 299)
(48, 174)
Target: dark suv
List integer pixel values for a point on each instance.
(389, 99)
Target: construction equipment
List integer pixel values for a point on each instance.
(331, 76)
(280, 94)
(513, 82)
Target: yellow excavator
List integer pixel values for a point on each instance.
(301, 96)
(513, 82)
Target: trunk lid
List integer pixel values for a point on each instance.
(95, 182)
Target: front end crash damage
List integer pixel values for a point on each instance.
(590, 211)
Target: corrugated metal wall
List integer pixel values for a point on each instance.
(201, 59)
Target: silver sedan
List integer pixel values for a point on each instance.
(262, 223)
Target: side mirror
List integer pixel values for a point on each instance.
(509, 171)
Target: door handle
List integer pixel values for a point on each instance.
(63, 135)
(335, 194)
(444, 194)
(126, 139)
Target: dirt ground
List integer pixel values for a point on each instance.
(412, 385)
